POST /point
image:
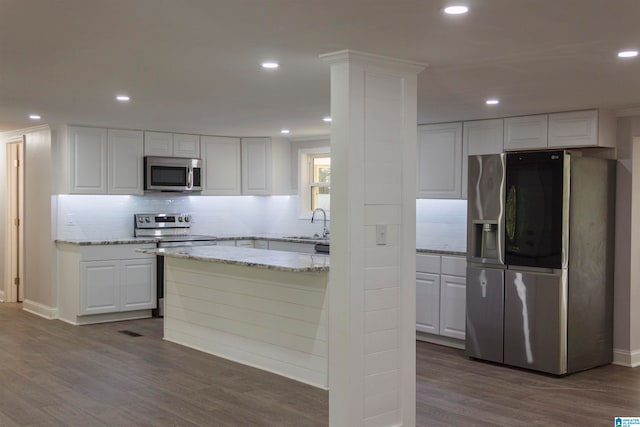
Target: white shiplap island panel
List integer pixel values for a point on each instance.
(271, 319)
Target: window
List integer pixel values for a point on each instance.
(320, 181)
(314, 176)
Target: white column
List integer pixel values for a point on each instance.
(372, 278)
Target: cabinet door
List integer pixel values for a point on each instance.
(574, 129)
(99, 287)
(428, 303)
(185, 145)
(453, 307)
(158, 144)
(137, 284)
(125, 149)
(440, 161)
(226, 242)
(221, 158)
(484, 136)
(88, 151)
(256, 166)
(526, 132)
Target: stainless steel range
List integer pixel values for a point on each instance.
(170, 231)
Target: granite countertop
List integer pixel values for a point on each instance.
(292, 239)
(437, 249)
(250, 257)
(442, 250)
(116, 241)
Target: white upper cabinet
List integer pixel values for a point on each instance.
(105, 161)
(480, 137)
(439, 155)
(221, 157)
(125, 162)
(88, 160)
(484, 136)
(525, 132)
(166, 144)
(185, 145)
(256, 166)
(592, 128)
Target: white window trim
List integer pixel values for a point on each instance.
(304, 183)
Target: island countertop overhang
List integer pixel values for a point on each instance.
(250, 257)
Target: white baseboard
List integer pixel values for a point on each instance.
(440, 340)
(40, 309)
(627, 358)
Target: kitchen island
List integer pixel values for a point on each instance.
(267, 309)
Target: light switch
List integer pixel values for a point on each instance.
(381, 234)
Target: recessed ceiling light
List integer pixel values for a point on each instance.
(492, 101)
(270, 65)
(326, 119)
(456, 10)
(284, 131)
(627, 54)
(122, 98)
(34, 116)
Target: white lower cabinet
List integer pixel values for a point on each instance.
(105, 283)
(440, 297)
(452, 306)
(428, 303)
(307, 248)
(135, 277)
(117, 285)
(99, 290)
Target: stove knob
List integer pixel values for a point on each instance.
(179, 219)
(140, 219)
(187, 218)
(147, 219)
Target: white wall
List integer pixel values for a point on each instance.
(39, 248)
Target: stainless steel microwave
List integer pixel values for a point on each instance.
(172, 174)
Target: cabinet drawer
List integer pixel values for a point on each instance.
(454, 266)
(107, 252)
(428, 263)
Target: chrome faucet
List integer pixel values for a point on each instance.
(325, 230)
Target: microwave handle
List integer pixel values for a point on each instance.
(189, 179)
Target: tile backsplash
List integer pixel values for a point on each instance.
(440, 224)
(111, 216)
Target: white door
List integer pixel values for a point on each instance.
(138, 284)
(440, 161)
(99, 287)
(88, 150)
(428, 303)
(14, 291)
(256, 166)
(453, 294)
(125, 149)
(221, 156)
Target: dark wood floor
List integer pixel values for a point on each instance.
(53, 374)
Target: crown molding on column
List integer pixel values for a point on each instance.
(372, 59)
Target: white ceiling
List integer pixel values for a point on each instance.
(194, 65)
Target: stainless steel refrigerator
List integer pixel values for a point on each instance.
(540, 260)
